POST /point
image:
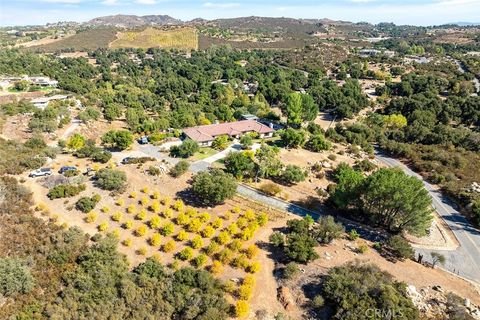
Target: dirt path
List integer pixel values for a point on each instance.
(265, 295)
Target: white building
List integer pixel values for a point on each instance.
(43, 81)
(364, 53)
(42, 103)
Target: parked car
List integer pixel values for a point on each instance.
(42, 172)
(66, 168)
(143, 140)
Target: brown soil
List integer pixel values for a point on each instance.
(8, 97)
(16, 128)
(305, 192)
(410, 272)
(43, 41)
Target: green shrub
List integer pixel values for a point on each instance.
(327, 229)
(110, 179)
(353, 235)
(71, 173)
(399, 247)
(291, 270)
(318, 302)
(87, 204)
(185, 150)
(318, 143)
(153, 171)
(270, 188)
(364, 165)
(277, 239)
(180, 168)
(355, 288)
(65, 191)
(102, 156)
(186, 254)
(15, 277)
(292, 174)
(220, 142)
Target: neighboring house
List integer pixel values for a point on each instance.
(373, 53)
(377, 39)
(250, 87)
(43, 102)
(249, 117)
(35, 81)
(416, 59)
(205, 135)
(43, 82)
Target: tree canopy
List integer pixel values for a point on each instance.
(387, 198)
(213, 187)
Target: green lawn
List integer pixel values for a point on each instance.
(204, 153)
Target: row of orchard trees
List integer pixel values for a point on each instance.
(166, 223)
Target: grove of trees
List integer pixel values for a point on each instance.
(388, 198)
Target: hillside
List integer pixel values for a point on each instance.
(89, 39)
(131, 21)
(182, 38)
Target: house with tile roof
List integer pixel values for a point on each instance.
(205, 135)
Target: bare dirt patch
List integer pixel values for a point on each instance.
(410, 272)
(305, 192)
(43, 41)
(16, 128)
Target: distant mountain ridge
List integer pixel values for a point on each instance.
(466, 24)
(131, 21)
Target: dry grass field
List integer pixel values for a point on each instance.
(182, 38)
(89, 39)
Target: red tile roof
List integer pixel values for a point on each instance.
(209, 132)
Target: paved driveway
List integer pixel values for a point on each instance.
(150, 150)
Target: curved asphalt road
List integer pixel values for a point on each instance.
(465, 260)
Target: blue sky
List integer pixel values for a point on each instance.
(425, 12)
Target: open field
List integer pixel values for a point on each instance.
(206, 42)
(90, 39)
(305, 192)
(43, 41)
(182, 38)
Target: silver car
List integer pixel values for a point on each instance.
(42, 172)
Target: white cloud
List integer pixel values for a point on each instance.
(456, 2)
(110, 2)
(227, 5)
(146, 1)
(63, 1)
(362, 1)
